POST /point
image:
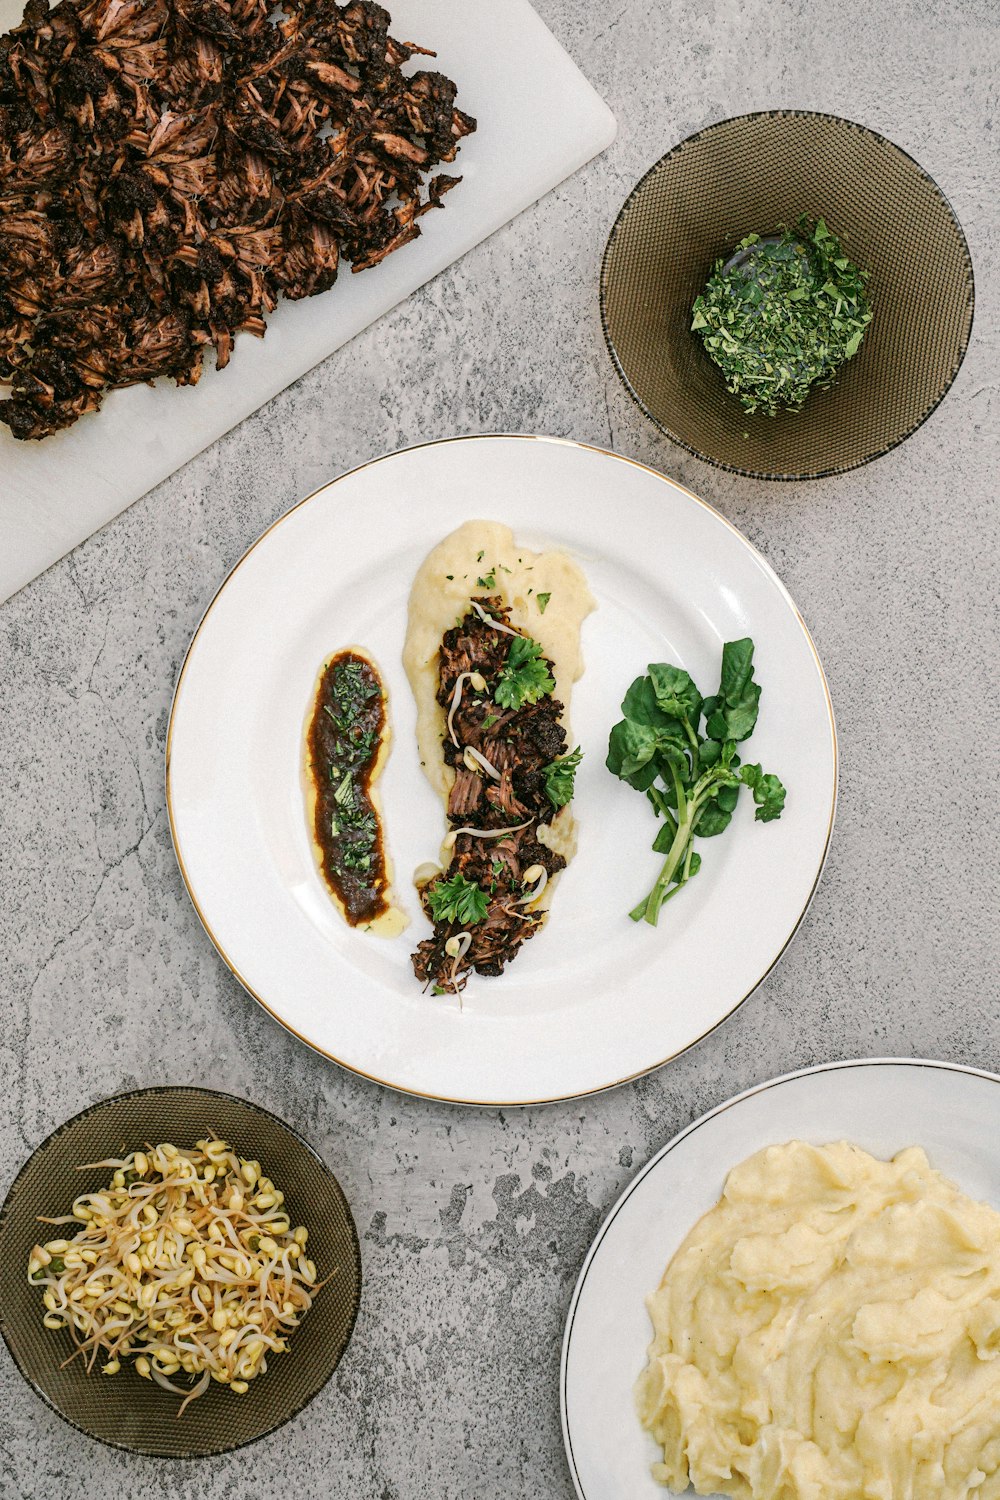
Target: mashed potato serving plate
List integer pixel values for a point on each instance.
(830, 1321)
(596, 998)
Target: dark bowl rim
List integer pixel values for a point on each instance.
(772, 114)
(155, 1090)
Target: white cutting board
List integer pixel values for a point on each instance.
(539, 121)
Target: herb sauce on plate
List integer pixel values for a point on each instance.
(346, 740)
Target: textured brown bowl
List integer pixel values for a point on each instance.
(758, 173)
(124, 1410)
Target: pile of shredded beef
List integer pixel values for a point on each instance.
(518, 743)
(170, 168)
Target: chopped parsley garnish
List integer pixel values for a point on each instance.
(543, 600)
(457, 900)
(350, 691)
(525, 677)
(480, 556)
(560, 775)
(355, 826)
(489, 581)
(782, 315)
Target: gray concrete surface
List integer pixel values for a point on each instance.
(474, 1225)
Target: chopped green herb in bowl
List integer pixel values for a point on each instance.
(782, 315)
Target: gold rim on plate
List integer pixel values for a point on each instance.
(386, 1082)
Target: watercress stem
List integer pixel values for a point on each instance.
(649, 910)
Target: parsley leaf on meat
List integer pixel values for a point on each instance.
(559, 777)
(525, 677)
(457, 900)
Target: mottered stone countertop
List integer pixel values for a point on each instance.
(474, 1224)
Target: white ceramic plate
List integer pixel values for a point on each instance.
(594, 999)
(882, 1105)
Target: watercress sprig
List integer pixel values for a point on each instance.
(691, 776)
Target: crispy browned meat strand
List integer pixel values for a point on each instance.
(518, 743)
(170, 168)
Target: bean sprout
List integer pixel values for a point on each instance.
(456, 948)
(187, 1262)
(483, 833)
(478, 682)
(489, 620)
(475, 760)
(537, 877)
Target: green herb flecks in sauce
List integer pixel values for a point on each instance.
(781, 316)
(345, 737)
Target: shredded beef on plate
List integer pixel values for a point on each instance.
(170, 168)
(517, 743)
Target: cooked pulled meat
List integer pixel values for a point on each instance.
(517, 743)
(170, 168)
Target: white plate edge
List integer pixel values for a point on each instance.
(762, 563)
(675, 1140)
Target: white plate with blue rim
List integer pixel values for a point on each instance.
(595, 999)
(880, 1104)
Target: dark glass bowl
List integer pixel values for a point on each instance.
(123, 1409)
(759, 173)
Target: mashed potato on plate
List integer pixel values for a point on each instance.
(830, 1330)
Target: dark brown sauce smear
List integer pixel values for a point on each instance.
(345, 735)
